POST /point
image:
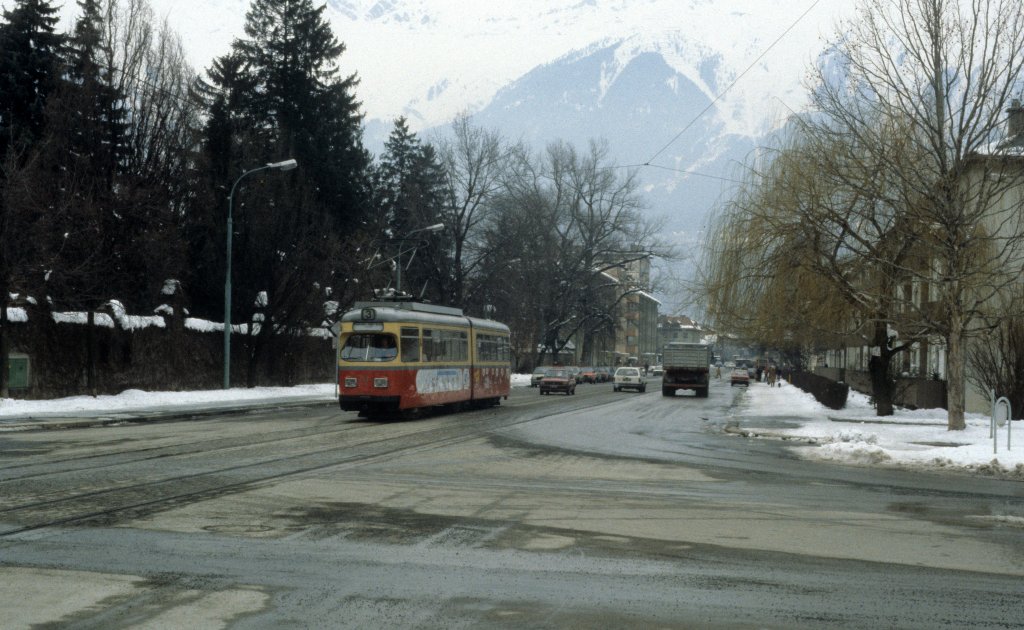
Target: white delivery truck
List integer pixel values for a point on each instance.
(687, 366)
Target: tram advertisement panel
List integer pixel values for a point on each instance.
(439, 381)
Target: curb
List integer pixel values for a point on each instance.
(769, 435)
(888, 422)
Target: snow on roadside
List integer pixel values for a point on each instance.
(134, 399)
(521, 380)
(908, 439)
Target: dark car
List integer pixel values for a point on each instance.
(558, 380)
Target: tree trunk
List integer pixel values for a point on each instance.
(881, 384)
(955, 376)
(254, 352)
(90, 353)
(4, 351)
(587, 349)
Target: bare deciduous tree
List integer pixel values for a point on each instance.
(570, 222)
(473, 160)
(897, 190)
(944, 72)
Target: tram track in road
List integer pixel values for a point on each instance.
(95, 461)
(134, 499)
(119, 457)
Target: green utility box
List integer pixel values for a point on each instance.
(19, 369)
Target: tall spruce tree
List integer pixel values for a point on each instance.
(301, 106)
(30, 55)
(93, 101)
(409, 194)
(279, 95)
(30, 51)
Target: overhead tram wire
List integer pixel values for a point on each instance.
(688, 172)
(725, 91)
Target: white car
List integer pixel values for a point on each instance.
(629, 378)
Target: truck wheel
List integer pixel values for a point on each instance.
(643, 389)
(668, 391)
(702, 393)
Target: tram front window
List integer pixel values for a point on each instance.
(369, 347)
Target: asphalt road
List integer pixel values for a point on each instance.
(596, 510)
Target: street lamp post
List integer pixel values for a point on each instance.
(437, 227)
(286, 165)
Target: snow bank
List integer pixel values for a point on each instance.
(855, 435)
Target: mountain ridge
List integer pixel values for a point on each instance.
(432, 59)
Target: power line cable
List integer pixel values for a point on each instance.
(733, 84)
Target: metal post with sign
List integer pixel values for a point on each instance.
(1001, 412)
(336, 342)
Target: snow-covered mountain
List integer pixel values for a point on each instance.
(430, 59)
(631, 93)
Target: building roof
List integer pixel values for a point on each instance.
(677, 321)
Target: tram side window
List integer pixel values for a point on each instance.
(486, 348)
(369, 347)
(492, 348)
(410, 345)
(483, 348)
(504, 351)
(443, 346)
(460, 346)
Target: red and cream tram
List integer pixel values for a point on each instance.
(398, 356)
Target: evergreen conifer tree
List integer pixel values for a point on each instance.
(92, 102)
(296, 104)
(30, 53)
(279, 95)
(409, 194)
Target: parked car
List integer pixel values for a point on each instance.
(558, 380)
(629, 378)
(604, 374)
(588, 375)
(739, 376)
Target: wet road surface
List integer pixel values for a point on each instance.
(590, 511)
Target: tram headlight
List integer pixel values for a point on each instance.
(380, 382)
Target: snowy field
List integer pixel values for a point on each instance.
(854, 435)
